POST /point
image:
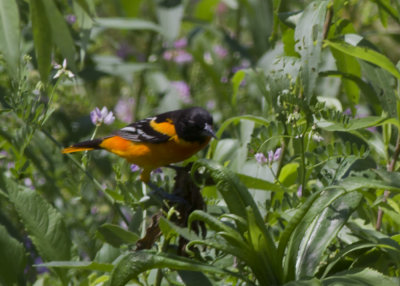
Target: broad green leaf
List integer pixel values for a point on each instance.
(44, 224)
(260, 15)
(348, 65)
(42, 37)
(170, 19)
(259, 246)
(382, 83)
(133, 264)
(82, 265)
(12, 262)
(256, 183)
(10, 35)
(365, 54)
(300, 224)
(127, 24)
(60, 33)
(289, 174)
(238, 198)
(322, 232)
(361, 277)
(193, 278)
(309, 37)
(116, 235)
(355, 183)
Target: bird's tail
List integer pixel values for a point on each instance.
(83, 146)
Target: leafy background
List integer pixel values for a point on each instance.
(301, 188)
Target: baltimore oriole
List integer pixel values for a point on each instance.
(157, 141)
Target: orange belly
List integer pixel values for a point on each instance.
(152, 155)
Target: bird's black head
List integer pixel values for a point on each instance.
(194, 124)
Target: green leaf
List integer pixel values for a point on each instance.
(259, 245)
(127, 24)
(365, 54)
(132, 264)
(260, 184)
(12, 262)
(82, 265)
(170, 19)
(348, 65)
(322, 232)
(44, 224)
(116, 235)
(309, 37)
(359, 277)
(289, 174)
(260, 15)
(205, 9)
(356, 123)
(167, 226)
(10, 35)
(382, 83)
(238, 198)
(356, 183)
(42, 37)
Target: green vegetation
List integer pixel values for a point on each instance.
(301, 187)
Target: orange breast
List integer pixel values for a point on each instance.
(152, 155)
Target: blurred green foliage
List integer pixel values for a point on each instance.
(301, 186)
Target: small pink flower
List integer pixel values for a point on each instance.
(134, 168)
(260, 158)
(300, 191)
(102, 116)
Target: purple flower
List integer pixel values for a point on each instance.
(71, 19)
(180, 43)
(260, 158)
(270, 156)
(300, 191)
(134, 168)
(277, 154)
(224, 79)
(220, 51)
(183, 90)
(102, 116)
(123, 109)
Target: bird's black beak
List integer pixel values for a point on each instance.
(208, 131)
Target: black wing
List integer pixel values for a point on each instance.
(141, 131)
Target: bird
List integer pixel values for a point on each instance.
(157, 141)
